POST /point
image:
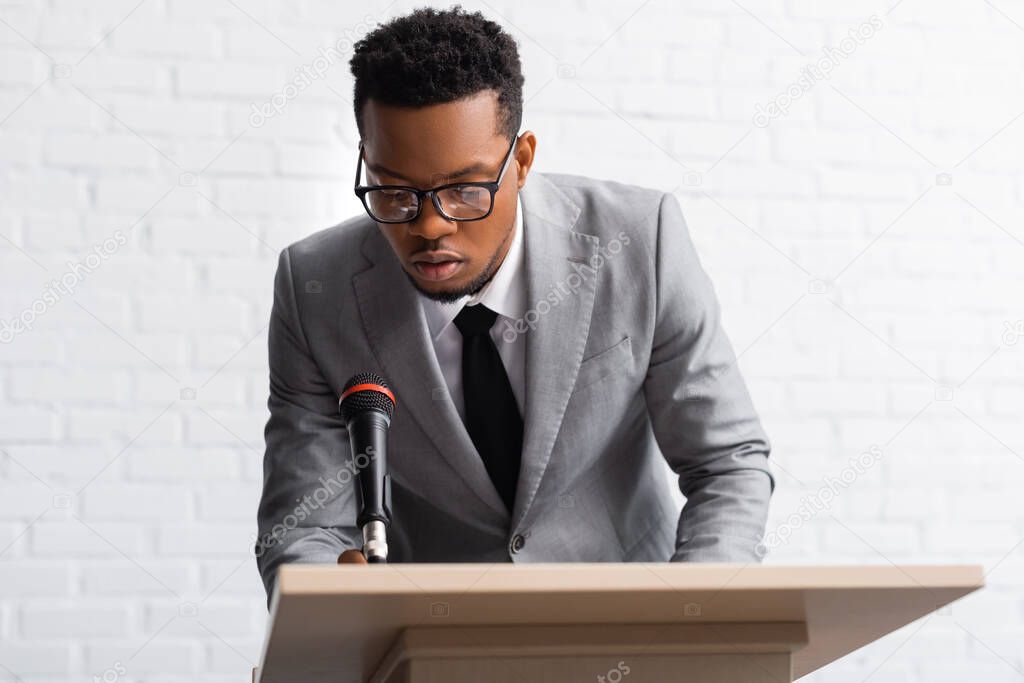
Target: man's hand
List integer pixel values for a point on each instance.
(352, 557)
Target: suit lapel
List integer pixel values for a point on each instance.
(560, 299)
(394, 325)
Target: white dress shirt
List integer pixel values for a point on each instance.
(505, 294)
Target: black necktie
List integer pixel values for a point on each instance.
(492, 416)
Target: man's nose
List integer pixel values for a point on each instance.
(430, 224)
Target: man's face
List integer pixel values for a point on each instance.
(446, 143)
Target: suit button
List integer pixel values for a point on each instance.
(518, 541)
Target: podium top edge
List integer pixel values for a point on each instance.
(484, 578)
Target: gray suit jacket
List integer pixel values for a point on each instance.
(627, 367)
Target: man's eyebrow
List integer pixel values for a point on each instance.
(478, 167)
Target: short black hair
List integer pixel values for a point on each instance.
(436, 56)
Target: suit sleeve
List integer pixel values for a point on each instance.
(307, 510)
(703, 418)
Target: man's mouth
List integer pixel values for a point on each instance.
(437, 266)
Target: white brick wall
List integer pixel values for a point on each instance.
(874, 301)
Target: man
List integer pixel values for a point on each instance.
(552, 341)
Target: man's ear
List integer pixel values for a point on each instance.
(525, 151)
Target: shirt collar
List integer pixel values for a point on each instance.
(505, 293)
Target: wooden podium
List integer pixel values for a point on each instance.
(420, 623)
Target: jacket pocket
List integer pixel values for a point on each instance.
(600, 365)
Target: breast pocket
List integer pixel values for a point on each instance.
(615, 358)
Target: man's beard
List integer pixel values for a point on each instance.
(473, 286)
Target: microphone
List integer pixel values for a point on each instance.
(367, 404)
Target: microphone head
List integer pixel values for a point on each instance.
(366, 391)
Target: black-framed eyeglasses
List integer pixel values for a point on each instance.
(468, 201)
